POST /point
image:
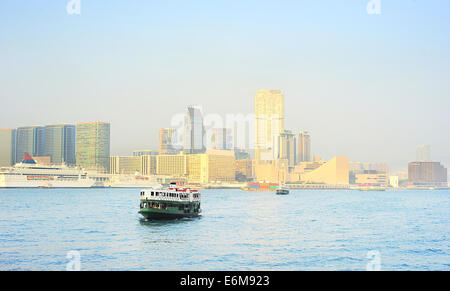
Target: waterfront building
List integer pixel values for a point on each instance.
(274, 171)
(148, 164)
(427, 174)
(372, 178)
(93, 146)
(368, 171)
(167, 141)
(30, 140)
(244, 169)
(269, 116)
(140, 153)
(214, 166)
(303, 168)
(60, 144)
(193, 139)
(423, 153)
(285, 147)
(171, 165)
(334, 172)
(304, 147)
(7, 147)
(125, 164)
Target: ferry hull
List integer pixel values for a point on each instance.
(165, 215)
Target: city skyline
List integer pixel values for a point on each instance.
(40, 145)
(367, 100)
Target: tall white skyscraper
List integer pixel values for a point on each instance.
(269, 114)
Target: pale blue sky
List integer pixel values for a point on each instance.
(372, 87)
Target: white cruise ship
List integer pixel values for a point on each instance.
(29, 174)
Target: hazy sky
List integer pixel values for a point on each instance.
(372, 87)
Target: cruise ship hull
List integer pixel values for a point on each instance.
(24, 182)
(29, 174)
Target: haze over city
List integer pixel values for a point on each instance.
(371, 87)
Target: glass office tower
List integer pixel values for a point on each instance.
(93, 146)
(60, 144)
(30, 140)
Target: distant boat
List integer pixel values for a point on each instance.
(261, 187)
(282, 191)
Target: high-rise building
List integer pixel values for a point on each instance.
(269, 115)
(7, 147)
(427, 174)
(93, 146)
(423, 153)
(167, 141)
(60, 143)
(285, 147)
(193, 140)
(304, 147)
(30, 140)
(220, 139)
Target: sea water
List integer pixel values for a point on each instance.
(46, 229)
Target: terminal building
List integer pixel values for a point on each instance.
(427, 174)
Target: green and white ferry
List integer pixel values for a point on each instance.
(170, 203)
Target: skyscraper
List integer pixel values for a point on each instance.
(93, 146)
(30, 140)
(423, 153)
(220, 139)
(7, 147)
(285, 147)
(60, 143)
(269, 115)
(304, 147)
(167, 141)
(193, 140)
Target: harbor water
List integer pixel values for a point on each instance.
(41, 229)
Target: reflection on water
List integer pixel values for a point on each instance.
(306, 230)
